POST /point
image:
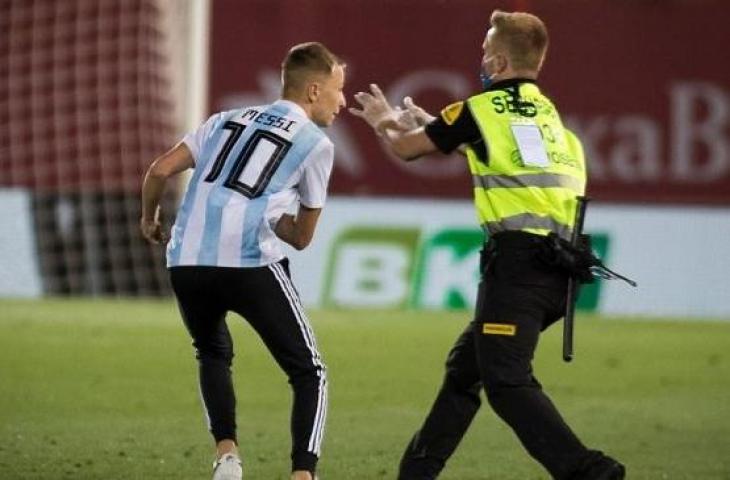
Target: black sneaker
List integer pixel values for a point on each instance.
(606, 469)
(598, 466)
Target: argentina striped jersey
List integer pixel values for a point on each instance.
(251, 166)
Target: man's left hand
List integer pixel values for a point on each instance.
(152, 231)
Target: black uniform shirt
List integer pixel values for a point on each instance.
(456, 125)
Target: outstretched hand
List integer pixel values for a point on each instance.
(419, 115)
(379, 114)
(376, 110)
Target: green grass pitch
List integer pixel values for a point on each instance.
(107, 389)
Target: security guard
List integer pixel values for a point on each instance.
(527, 170)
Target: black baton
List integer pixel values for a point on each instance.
(573, 285)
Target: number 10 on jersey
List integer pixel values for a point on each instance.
(255, 165)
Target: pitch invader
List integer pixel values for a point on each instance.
(251, 167)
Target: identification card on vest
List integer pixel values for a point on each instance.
(529, 142)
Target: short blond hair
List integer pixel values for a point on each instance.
(304, 60)
(523, 35)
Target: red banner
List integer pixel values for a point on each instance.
(641, 83)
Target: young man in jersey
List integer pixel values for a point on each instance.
(527, 170)
(251, 165)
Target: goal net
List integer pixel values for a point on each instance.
(88, 98)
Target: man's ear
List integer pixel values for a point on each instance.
(313, 92)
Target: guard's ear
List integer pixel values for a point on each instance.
(501, 63)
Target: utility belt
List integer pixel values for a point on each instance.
(554, 252)
(514, 240)
(508, 241)
(574, 257)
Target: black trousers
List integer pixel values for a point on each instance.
(266, 298)
(517, 299)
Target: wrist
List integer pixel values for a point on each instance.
(150, 214)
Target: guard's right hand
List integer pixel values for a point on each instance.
(419, 115)
(405, 119)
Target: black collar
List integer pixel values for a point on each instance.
(510, 82)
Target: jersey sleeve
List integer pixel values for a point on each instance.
(195, 139)
(453, 127)
(316, 174)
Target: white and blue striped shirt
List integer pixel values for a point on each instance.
(251, 166)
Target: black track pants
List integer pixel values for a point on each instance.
(266, 298)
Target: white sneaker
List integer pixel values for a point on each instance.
(228, 467)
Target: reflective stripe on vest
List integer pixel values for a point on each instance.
(528, 222)
(510, 195)
(542, 180)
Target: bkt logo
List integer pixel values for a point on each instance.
(401, 267)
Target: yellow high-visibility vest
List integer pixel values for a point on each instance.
(535, 194)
